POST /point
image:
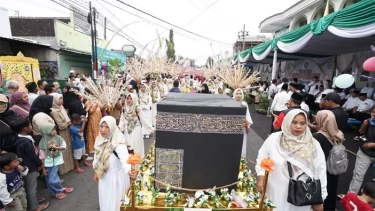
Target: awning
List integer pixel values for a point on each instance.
(349, 30)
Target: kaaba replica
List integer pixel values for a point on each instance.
(198, 140)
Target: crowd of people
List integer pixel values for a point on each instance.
(50, 131)
(307, 122)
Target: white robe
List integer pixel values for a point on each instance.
(115, 182)
(147, 112)
(135, 139)
(154, 111)
(278, 180)
(244, 142)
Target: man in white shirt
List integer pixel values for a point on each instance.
(368, 90)
(340, 92)
(293, 88)
(318, 94)
(272, 91)
(314, 85)
(279, 103)
(280, 85)
(362, 111)
(352, 101)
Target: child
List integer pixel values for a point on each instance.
(78, 142)
(353, 202)
(50, 147)
(25, 148)
(12, 193)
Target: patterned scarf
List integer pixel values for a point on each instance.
(298, 150)
(144, 96)
(104, 146)
(130, 113)
(154, 92)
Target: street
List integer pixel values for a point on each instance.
(85, 194)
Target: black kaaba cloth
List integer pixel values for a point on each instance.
(198, 140)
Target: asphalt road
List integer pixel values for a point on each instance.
(85, 194)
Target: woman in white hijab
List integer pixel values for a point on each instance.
(219, 90)
(238, 95)
(145, 101)
(132, 121)
(111, 170)
(155, 96)
(295, 144)
(62, 120)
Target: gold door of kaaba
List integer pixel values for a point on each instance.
(21, 69)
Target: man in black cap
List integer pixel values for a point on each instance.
(332, 102)
(294, 103)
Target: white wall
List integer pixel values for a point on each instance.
(5, 24)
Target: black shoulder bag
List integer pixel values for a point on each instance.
(301, 193)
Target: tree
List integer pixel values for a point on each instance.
(170, 47)
(116, 65)
(209, 62)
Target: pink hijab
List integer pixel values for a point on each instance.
(19, 106)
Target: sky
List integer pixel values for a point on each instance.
(220, 22)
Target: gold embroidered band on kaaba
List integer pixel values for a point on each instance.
(200, 123)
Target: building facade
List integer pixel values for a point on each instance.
(300, 14)
(249, 41)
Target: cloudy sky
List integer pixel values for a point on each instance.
(220, 23)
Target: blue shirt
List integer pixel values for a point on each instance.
(78, 142)
(175, 89)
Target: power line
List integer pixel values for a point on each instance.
(86, 17)
(146, 20)
(171, 23)
(200, 13)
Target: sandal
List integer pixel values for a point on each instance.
(60, 196)
(41, 200)
(79, 170)
(356, 138)
(68, 190)
(42, 206)
(87, 164)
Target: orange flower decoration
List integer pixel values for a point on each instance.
(246, 123)
(267, 164)
(134, 159)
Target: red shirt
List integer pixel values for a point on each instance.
(351, 202)
(279, 120)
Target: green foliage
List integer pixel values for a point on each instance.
(170, 47)
(115, 65)
(262, 107)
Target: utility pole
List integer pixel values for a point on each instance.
(89, 19)
(95, 44)
(242, 34)
(105, 28)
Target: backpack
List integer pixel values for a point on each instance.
(337, 161)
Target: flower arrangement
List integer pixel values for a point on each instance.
(171, 198)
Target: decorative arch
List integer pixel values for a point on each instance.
(319, 12)
(347, 3)
(300, 21)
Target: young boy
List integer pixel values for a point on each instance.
(78, 141)
(353, 202)
(12, 193)
(27, 155)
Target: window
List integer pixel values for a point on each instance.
(321, 11)
(300, 22)
(350, 2)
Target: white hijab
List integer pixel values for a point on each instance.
(104, 146)
(300, 151)
(56, 99)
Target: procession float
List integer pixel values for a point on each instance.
(195, 161)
